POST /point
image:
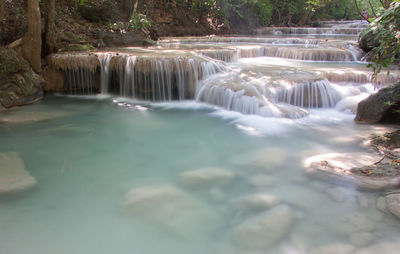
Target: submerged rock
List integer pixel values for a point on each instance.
(393, 204)
(14, 178)
(381, 107)
(352, 224)
(170, 208)
(338, 248)
(19, 84)
(361, 239)
(264, 230)
(266, 159)
(257, 201)
(206, 177)
(381, 248)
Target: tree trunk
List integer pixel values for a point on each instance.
(49, 45)
(32, 40)
(2, 14)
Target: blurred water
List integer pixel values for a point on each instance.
(99, 148)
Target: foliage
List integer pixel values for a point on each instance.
(139, 21)
(386, 29)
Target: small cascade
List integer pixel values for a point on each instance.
(104, 71)
(80, 72)
(234, 40)
(308, 31)
(225, 55)
(310, 54)
(231, 92)
(160, 78)
(310, 94)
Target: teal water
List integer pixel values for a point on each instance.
(94, 150)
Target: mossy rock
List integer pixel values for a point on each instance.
(19, 84)
(11, 62)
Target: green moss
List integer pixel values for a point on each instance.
(79, 47)
(11, 62)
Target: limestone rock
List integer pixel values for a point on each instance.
(381, 248)
(13, 176)
(170, 208)
(380, 107)
(334, 249)
(257, 201)
(264, 230)
(393, 204)
(19, 85)
(206, 177)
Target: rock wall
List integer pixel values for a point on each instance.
(19, 84)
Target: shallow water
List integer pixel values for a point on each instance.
(120, 175)
(88, 158)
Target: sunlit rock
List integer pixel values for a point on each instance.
(266, 159)
(381, 248)
(264, 230)
(13, 176)
(170, 208)
(393, 204)
(336, 248)
(257, 201)
(205, 177)
(339, 167)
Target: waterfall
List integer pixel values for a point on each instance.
(310, 94)
(104, 71)
(162, 78)
(231, 92)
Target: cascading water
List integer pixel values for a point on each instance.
(186, 71)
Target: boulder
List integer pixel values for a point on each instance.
(205, 177)
(14, 179)
(171, 209)
(19, 84)
(367, 40)
(393, 204)
(264, 230)
(381, 107)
